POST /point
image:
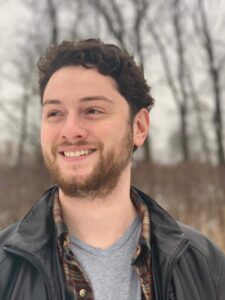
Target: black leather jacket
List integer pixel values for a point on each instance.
(185, 265)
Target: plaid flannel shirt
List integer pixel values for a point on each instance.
(76, 281)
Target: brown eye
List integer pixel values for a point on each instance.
(93, 111)
(54, 114)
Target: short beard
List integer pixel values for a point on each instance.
(104, 177)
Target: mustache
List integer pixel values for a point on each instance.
(80, 143)
(67, 143)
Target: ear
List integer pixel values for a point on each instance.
(140, 127)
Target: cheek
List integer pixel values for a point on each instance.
(118, 135)
(47, 136)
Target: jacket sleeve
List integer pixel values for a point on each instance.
(210, 263)
(221, 280)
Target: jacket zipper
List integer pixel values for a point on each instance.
(170, 267)
(32, 259)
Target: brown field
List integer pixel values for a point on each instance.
(192, 193)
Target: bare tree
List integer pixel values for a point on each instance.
(215, 73)
(176, 66)
(113, 17)
(181, 72)
(199, 113)
(176, 83)
(52, 13)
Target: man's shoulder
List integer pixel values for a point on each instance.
(199, 241)
(203, 256)
(36, 215)
(6, 232)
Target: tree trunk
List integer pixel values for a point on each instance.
(218, 117)
(184, 134)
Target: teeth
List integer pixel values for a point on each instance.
(77, 153)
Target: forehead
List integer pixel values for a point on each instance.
(78, 81)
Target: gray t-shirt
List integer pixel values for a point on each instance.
(110, 271)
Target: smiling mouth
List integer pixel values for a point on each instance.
(77, 153)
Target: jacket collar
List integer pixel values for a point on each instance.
(166, 234)
(168, 242)
(36, 229)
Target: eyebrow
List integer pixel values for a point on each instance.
(84, 99)
(51, 101)
(94, 98)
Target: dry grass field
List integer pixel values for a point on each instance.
(192, 193)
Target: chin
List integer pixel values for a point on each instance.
(78, 178)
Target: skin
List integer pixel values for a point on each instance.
(83, 110)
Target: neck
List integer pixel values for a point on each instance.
(100, 222)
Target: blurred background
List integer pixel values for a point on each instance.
(181, 47)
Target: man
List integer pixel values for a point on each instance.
(93, 236)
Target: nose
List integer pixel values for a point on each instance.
(73, 129)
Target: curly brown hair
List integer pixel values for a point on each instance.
(108, 59)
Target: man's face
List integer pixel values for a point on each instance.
(86, 131)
